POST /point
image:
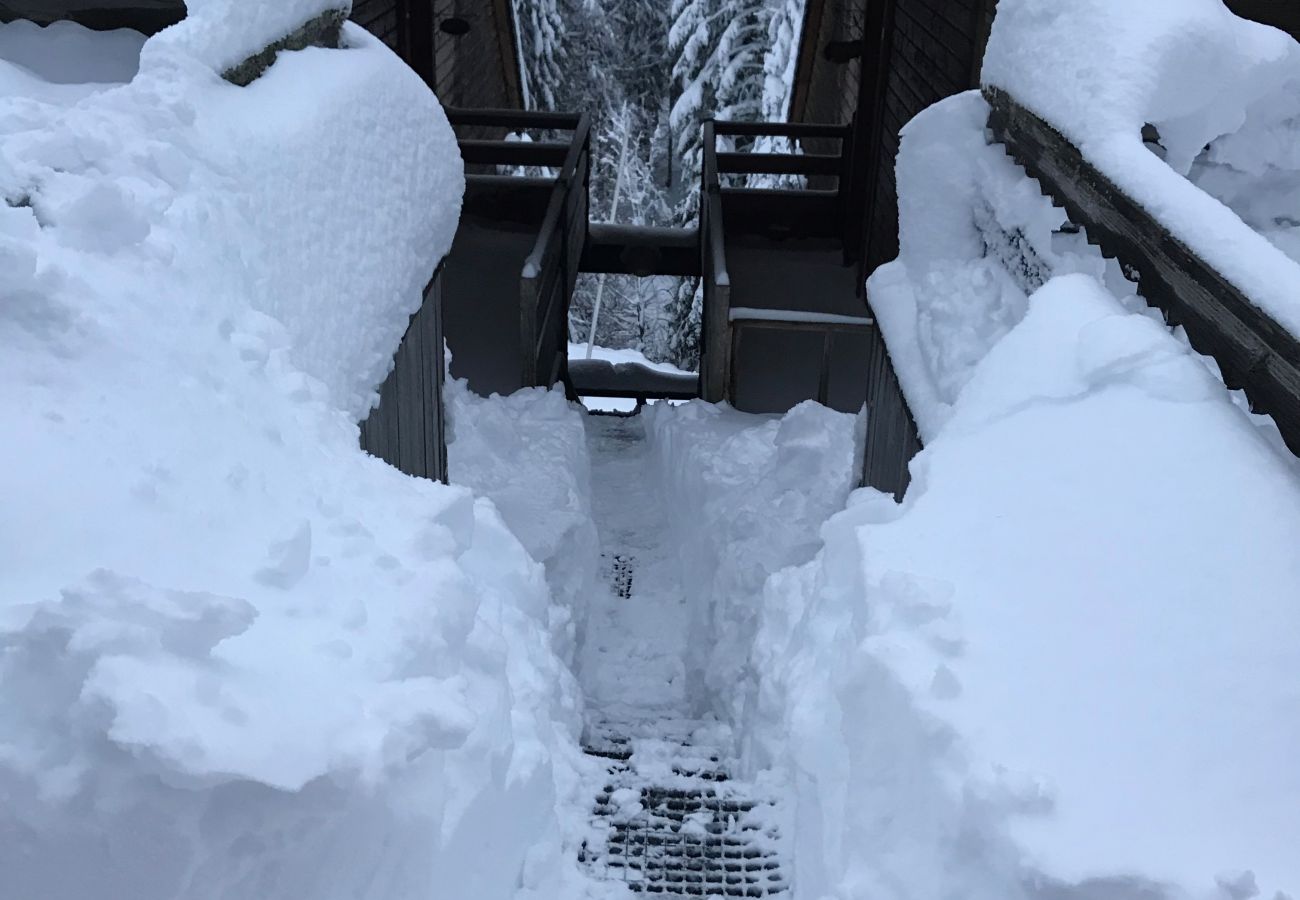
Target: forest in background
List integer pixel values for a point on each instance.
(651, 72)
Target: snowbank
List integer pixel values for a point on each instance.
(1072, 674)
(747, 495)
(527, 453)
(1098, 70)
(1060, 669)
(975, 238)
(239, 657)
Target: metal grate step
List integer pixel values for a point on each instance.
(621, 569)
(691, 833)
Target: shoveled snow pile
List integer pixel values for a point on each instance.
(1064, 666)
(527, 453)
(747, 494)
(1098, 70)
(239, 658)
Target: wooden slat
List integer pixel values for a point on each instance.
(1253, 351)
(406, 428)
(514, 153)
(778, 164)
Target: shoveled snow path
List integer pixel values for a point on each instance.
(666, 817)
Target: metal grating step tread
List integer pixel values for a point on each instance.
(691, 833)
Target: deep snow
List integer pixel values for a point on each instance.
(239, 657)
(1098, 70)
(1064, 665)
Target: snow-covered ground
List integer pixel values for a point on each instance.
(239, 658)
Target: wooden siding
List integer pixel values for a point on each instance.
(406, 429)
(381, 18)
(931, 50)
(476, 69)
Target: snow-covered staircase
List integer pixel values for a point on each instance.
(667, 817)
(669, 820)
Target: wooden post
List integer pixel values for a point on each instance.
(420, 40)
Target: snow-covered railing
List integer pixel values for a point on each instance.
(1253, 350)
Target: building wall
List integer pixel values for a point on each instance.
(478, 68)
(933, 48)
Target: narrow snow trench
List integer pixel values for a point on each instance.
(667, 816)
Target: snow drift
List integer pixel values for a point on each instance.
(239, 657)
(1063, 666)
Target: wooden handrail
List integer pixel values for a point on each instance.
(1254, 352)
(778, 164)
(514, 118)
(712, 195)
(514, 153)
(781, 129)
(577, 147)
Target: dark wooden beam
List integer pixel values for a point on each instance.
(806, 63)
(1253, 351)
(419, 38)
(779, 214)
(781, 129)
(778, 164)
(515, 119)
(514, 153)
(641, 250)
(508, 40)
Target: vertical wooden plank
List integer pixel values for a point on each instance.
(419, 43)
(529, 297)
(439, 378)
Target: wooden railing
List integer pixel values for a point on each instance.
(1253, 351)
(822, 211)
(406, 429)
(715, 339)
(550, 271)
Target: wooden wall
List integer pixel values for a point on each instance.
(931, 50)
(465, 48)
(381, 18)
